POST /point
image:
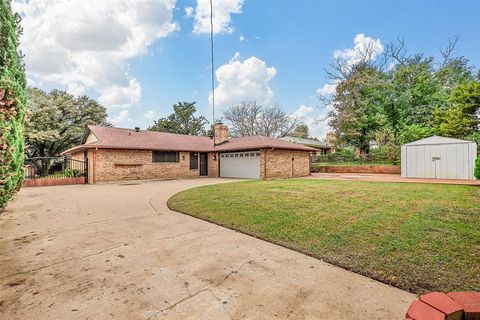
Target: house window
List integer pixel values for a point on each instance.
(165, 156)
(193, 160)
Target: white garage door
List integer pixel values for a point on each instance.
(244, 164)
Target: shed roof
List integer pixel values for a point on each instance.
(436, 140)
(122, 138)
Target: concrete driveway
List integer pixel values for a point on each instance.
(117, 252)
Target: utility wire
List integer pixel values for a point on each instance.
(213, 69)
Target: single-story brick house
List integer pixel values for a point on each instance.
(116, 154)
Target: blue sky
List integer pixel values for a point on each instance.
(270, 51)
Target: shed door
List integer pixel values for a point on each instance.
(244, 164)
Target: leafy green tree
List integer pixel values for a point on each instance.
(413, 98)
(461, 119)
(301, 131)
(12, 104)
(414, 132)
(56, 121)
(357, 113)
(454, 72)
(416, 92)
(182, 121)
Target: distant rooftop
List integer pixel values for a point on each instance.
(307, 142)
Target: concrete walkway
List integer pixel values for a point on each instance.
(117, 252)
(388, 178)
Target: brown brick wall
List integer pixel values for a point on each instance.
(213, 165)
(389, 169)
(117, 165)
(281, 164)
(301, 164)
(52, 182)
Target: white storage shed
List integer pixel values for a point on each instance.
(439, 158)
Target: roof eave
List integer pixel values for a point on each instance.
(86, 132)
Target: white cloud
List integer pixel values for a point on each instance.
(302, 111)
(361, 45)
(222, 11)
(189, 12)
(241, 38)
(122, 116)
(117, 96)
(351, 56)
(150, 114)
(85, 46)
(327, 89)
(313, 119)
(75, 89)
(236, 57)
(239, 81)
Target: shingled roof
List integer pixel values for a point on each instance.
(122, 138)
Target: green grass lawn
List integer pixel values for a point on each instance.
(419, 237)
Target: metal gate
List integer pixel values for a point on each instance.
(55, 170)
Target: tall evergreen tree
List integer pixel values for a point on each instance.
(12, 104)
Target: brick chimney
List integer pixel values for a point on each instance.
(221, 133)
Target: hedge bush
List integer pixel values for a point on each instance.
(73, 173)
(476, 171)
(12, 104)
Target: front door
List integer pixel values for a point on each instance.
(203, 164)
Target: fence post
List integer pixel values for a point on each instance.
(85, 164)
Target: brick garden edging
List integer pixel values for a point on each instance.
(441, 306)
(390, 169)
(52, 182)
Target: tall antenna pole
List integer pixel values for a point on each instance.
(213, 69)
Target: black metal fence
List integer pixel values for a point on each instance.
(54, 168)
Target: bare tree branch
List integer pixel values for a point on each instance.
(449, 49)
(249, 118)
(397, 51)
